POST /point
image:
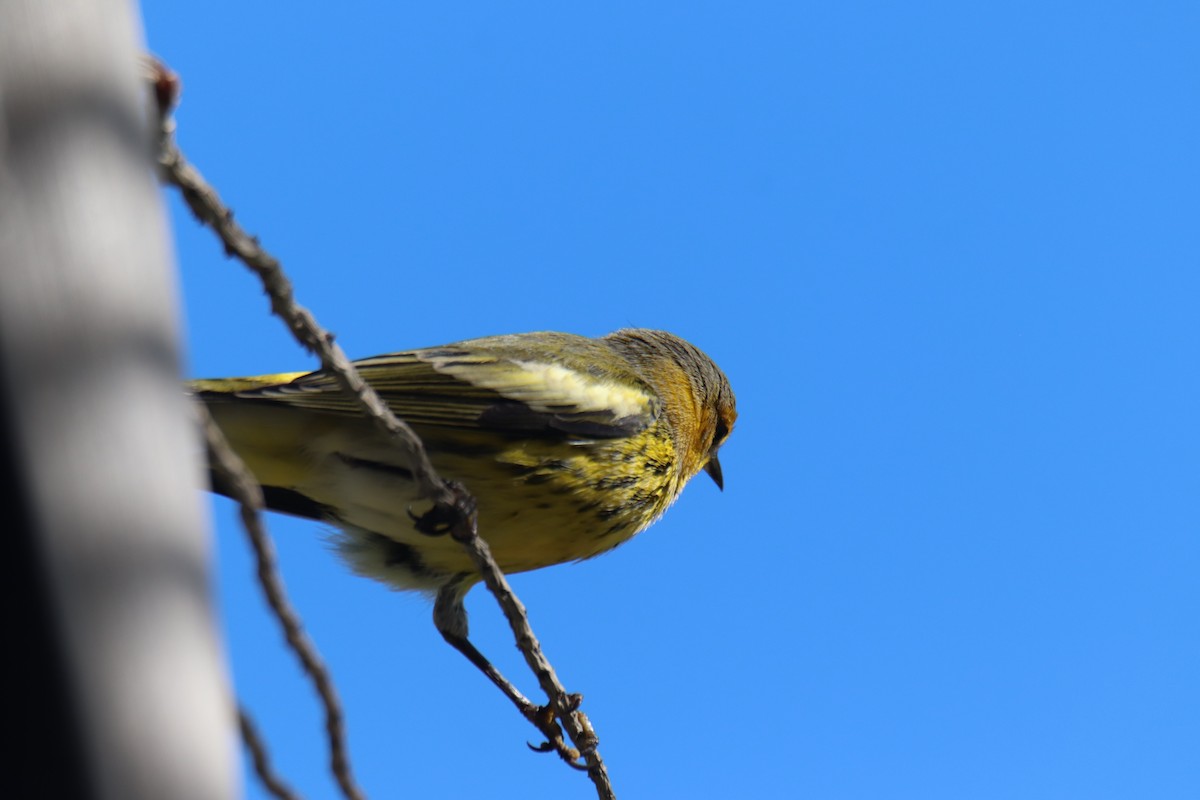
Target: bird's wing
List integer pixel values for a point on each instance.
(573, 387)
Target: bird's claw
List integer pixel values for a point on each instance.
(437, 521)
(543, 718)
(570, 756)
(448, 514)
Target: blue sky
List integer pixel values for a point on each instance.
(947, 254)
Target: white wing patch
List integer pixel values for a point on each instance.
(548, 387)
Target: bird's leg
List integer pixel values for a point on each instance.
(450, 618)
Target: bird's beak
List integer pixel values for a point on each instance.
(713, 468)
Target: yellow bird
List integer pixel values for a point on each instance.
(570, 445)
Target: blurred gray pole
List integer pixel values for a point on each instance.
(105, 523)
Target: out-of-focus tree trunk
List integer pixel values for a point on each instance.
(112, 633)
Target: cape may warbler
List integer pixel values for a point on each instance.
(570, 445)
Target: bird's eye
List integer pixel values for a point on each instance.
(721, 432)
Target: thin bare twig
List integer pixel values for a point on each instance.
(453, 505)
(262, 762)
(245, 490)
(204, 202)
